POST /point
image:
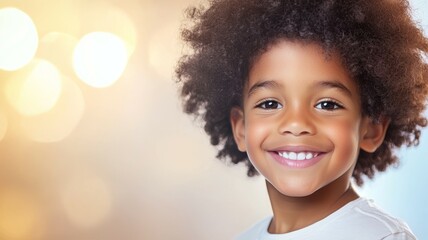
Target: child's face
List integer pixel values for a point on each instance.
(300, 105)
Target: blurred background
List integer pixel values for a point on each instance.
(93, 144)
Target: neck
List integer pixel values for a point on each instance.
(293, 213)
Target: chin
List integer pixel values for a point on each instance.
(295, 193)
(295, 190)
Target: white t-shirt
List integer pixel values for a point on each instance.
(360, 219)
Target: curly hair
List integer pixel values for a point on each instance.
(380, 45)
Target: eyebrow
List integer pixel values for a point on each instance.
(270, 84)
(335, 84)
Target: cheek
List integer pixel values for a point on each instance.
(257, 130)
(345, 136)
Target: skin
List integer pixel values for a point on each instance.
(297, 100)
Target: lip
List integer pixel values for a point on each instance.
(300, 148)
(297, 163)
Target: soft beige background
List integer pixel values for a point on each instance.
(120, 162)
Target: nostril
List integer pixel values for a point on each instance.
(296, 133)
(296, 128)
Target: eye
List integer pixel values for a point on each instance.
(328, 105)
(269, 104)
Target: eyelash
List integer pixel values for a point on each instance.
(336, 106)
(263, 103)
(273, 104)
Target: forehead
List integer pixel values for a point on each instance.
(286, 61)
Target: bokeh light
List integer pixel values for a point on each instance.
(18, 39)
(57, 124)
(100, 58)
(124, 28)
(86, 199)
(20, 216)
(35, 89)
(106, 17)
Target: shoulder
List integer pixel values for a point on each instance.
(371, 222)
(360, 218)
(254, 232)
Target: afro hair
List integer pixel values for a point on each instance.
(382, 48)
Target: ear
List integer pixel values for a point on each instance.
(373, 133)
(238, 127)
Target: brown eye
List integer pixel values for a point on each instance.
(328, 105)
(269, 104)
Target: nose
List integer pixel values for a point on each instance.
(296, 121)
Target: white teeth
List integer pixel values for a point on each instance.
(298, 155)
(309, 156)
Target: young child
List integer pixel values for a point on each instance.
(309, 94)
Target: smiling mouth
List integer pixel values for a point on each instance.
(298, 156)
